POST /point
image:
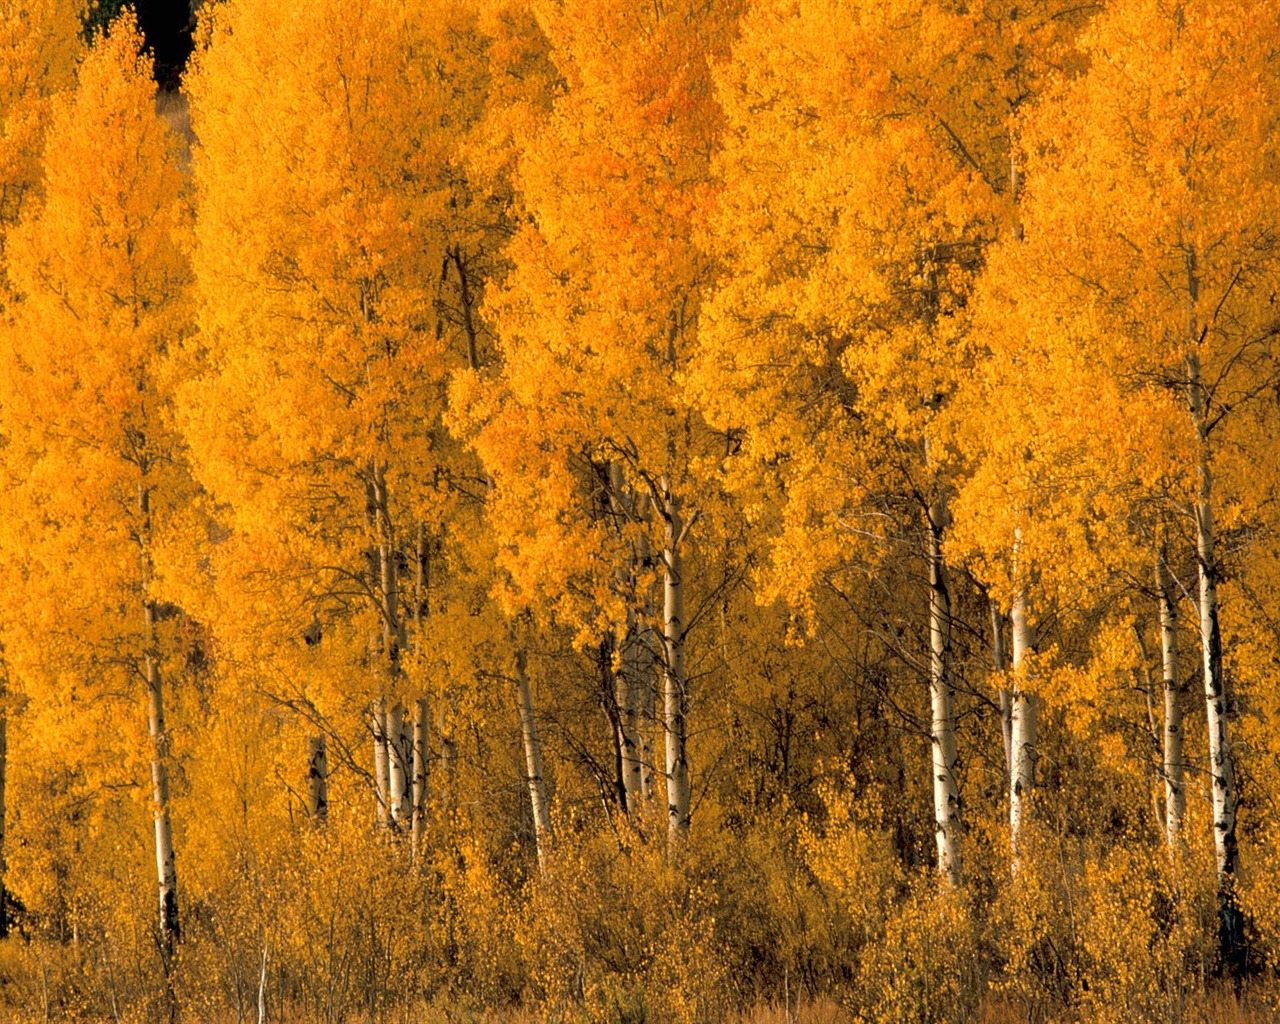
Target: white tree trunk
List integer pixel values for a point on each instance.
(318, 780)
(1221, 763)
(1024, 724)
(400, 767)
(946, 792)
(1175, 794)
(675, 692)
(533, 761)
(166, 869)
(421, 716)
(381, 761)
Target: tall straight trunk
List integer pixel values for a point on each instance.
(1004, 696)
(317, 780)
(627, 680)
(533, 761)
(1175, 793)
(1221, 763)
(1024, 720)
(166, 869)
(946, 792)
(381, 760)
(166, 866)
(1231, 940)
(400, 766)
(421, 716)
(675, 695)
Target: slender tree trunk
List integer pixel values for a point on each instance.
(166, 869)
(675, 692)
(1221, 764)
(318, 781)
(1024, 720)
(1175, 793)
(946, 792)
(627, 680)
(381, 760)
(421, 717)
(533, 761)
(1004, 696)
(1216, 698)
(166, 866)
(400, 767)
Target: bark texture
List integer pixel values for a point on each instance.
(318, 780)
(533, 761)
(675, 690)
(946, 792)
(1024, 724)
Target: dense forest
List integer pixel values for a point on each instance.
(641, 511)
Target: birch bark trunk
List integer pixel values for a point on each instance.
(946, 792)
(1023, 721)
(1175, 794)
(318, 781)
(675, 692)
(166, 869)
(533, 761)
(1221, 763)
(166, 866)
(400, 767)
(381, 761)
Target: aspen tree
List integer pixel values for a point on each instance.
(101, 270)
(332, 190)
(1189, 277)
(39, 46)
(854, 215)
(595, 323)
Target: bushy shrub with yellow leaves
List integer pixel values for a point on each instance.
(614, 930)
(1145, 929)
